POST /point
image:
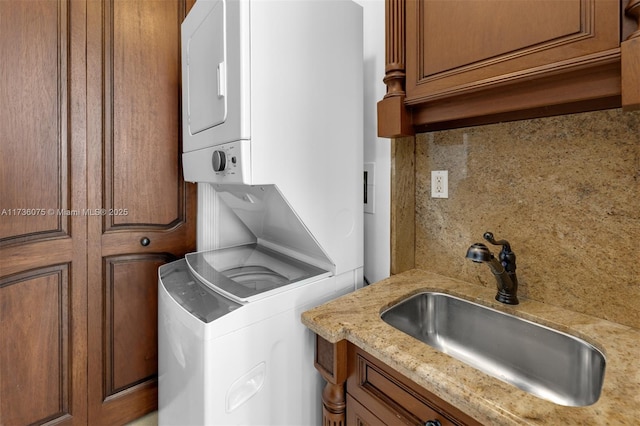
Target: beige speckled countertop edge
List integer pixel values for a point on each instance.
(356, 318)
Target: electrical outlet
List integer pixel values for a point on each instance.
(439, 184)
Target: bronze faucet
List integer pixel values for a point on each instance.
(503, 269)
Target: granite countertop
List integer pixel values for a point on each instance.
(356, 318)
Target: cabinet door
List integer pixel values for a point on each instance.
(454, 63)
(42, 231)
(382, 393)
(358, 415)
(147, 214)
(462, 45)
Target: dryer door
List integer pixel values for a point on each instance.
(205, 68)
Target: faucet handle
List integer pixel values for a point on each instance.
(504, 243)
(507, 256)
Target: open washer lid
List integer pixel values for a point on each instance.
(273, 222)
(251, 272)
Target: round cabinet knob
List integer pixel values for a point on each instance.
(219, 161)
(433, 423)
(144, 241)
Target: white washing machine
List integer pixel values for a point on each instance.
(224, 362)
(232, 348)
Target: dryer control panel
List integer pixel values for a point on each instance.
(224, 163)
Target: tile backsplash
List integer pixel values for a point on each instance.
(564, 191)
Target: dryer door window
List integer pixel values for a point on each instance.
(206, 71)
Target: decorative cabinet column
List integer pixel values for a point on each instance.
(393, 118)
(331, 362)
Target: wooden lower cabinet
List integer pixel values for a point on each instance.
(362, 390)
(391, 397)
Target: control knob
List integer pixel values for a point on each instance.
(219, 161)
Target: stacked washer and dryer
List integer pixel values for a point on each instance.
(272, 132)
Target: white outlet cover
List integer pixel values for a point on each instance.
(439, 184)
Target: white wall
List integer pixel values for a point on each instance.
(376, 150)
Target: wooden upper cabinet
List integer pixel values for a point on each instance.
(456, 43)
(460, 62)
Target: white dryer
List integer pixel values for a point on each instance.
(272, 93)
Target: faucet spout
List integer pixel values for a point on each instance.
(503, 269)
(506, 282)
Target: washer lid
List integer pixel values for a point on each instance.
(192, 294)
(251, 272)
(273, 221)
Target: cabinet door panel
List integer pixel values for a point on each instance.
(142, 74)
(34, 373)
(492, 28)
(130, 327)
(33, 125)
(464, 45)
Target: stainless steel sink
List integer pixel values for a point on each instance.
(545, 362)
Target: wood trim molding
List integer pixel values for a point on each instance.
(633, 11)
(630, 61)
(395, 47)
(581, 90)
(403, 208)
(393, 118)
(571, 67)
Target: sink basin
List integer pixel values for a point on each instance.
(545, 362)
